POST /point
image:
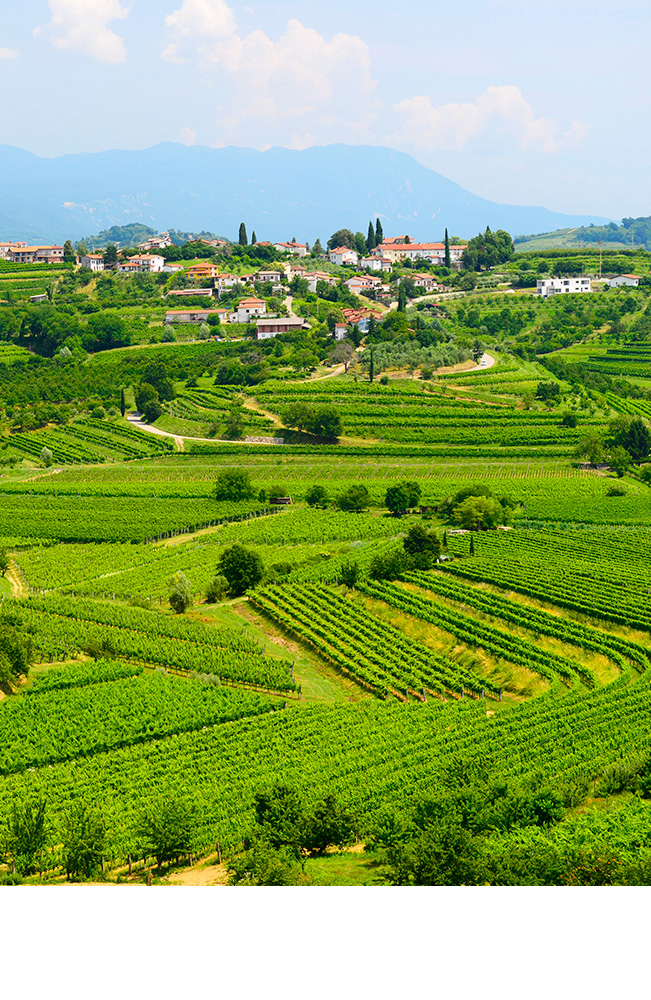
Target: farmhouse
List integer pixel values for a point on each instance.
(198, 272)
(182, 292)
(630, 280)
(194, 315)
(273, 325)
(340, 331)
(36, 255)
(364, 283)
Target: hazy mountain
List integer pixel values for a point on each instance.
(279, 193)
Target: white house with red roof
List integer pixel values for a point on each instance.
(362, 283)
(147, 262)
(249, 309)
(425, 281)
(343, 255)
(36, 254)
(297, 249)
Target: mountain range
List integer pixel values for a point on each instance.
(279, 194)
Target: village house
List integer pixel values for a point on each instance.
(559, 286)
(343, 255)
(248, 309)
(6, 248)
(432, 252)
(314, 277)
(197, 316)
(272, 325)
(93, 261)
(273, 276)
(226, 281)
(297, 249)
(366, 282)
(147, 262)
(340, 331)
(376, 264)
(36, 255)
(425, 281)
(202, 270)
(630, 280)
(156, 243)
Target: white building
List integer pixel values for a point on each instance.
(562, 286)
(425, 281)
(297, 249)
(93, 261)
(147, 262)
(36, 254)
(376, 263)
(340, 331)
(249, 309)
(631, 280)
(432, 252)
(343, 255)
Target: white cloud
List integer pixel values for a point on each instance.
(6, 53)
(301, 78)
(82, 26)
(188, 136)
(498, 110)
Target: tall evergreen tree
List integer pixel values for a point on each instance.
(379, 233)
(243, 239)
(123, 405)
(68, 252)
(254, 238)
(371, 366)
(402, 298)
(370, 239)
(446, 260)
(317, 248)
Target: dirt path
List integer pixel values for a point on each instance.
(207, 872)
(250, 404)
(18, 588)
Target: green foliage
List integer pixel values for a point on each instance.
(487, 250)
(27, 834)
(242, 237)
(317, 496)
(342, 238)
(349, 574)
(402, 497)
(242, 567)
(233, 485)
(217, 589)
(355, 498)
(84, 838)
(167, 829)
(16, 650)
(422, 546)
(181, 593)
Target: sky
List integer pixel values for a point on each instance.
(518, 101)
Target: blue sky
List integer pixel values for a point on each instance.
(520, 102)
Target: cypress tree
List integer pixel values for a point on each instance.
(254, 238)
(379, 234)
(472, 545)
(243, 239)
(123, 405)
(402, 298)
(371, 367)
(370, 239)
(446, 260)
